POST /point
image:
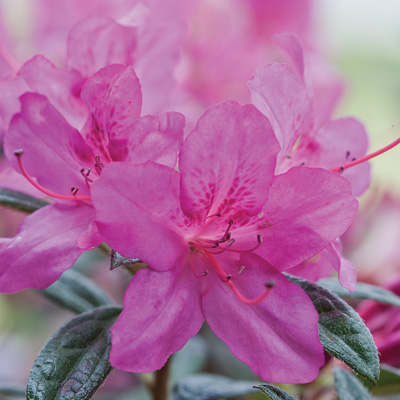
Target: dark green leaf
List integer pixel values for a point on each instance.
(363, 291)
(348, 387)
(342, 332)
(20, 201)
(388, 383)
(76, 293)
(209, 387)
(274, 393)
(12, 390)
(74, 362)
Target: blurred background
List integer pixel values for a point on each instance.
(361, 39)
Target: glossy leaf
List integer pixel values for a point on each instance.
(274, 393)
(210, 387)
(74, 362)
(342, 332)
(76, 293)
(348, 387)
(20, 201)
(363, 291)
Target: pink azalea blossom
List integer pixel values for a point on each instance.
(384, 323)
(212, 236)
(66, 162)
(285, 96)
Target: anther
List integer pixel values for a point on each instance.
(241, 270)
(214, 215)
(18, 153)
(74, 190)
(347, 155)
(269, 284)
(228, 277)
(341, 169)
(303, 164)
(206, 272)
(98, 164)
(259, 238)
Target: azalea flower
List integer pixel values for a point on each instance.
(384, 323)
(216, 236)
(308, 137)
(63, 163)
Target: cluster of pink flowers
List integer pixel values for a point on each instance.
(218, 212)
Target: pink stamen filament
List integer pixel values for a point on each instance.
(227, 278)
(18, 154)
(367, 157)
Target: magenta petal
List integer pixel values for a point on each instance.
(54, 152)
(157, 139)
(228, 161)
(43, 248)
(284, 99)
(99, 41)
(307, 209)
(138, 213)
(161, 313)
(277, 338)
(114, 100)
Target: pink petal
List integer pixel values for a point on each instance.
(43, 248)
(99, 41)
(158, 139)
(146, 218)
(277, 338)
(54, 152)
(307, 209)
(284, 99)
(227, 162)
(337, 143)
(114, 101)
(61, 87)
(161, 313)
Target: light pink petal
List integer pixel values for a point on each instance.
(99, 41)
(307, 209)
(284, 99)
(43, 248)
(114, 101)
(61, 87)
(277, 338)
(227, 162)
(337, 143)
(54, 152)
(161, 313)
(138, 213)
(346, 269)
(157, 139)
(162, 32)
(291, 45)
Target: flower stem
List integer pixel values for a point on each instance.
(160, 385)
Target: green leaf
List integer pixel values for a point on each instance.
(274, 393)
(348, 387)
(76, 293)
(209, 387)
(342, 332)
(20, 201)
(12, 390)
(388, 383)
(363, 291)
(74, 362)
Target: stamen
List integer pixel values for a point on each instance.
(227, 278)
(18, 153)
(259, 240)
(367, 157)
(241, 270)
(250, 302)
(227, 235)
(98, 165)
(74, 190)
(214, 215)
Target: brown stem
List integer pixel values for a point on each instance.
(160, 385)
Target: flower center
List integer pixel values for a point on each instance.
(208, 249)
